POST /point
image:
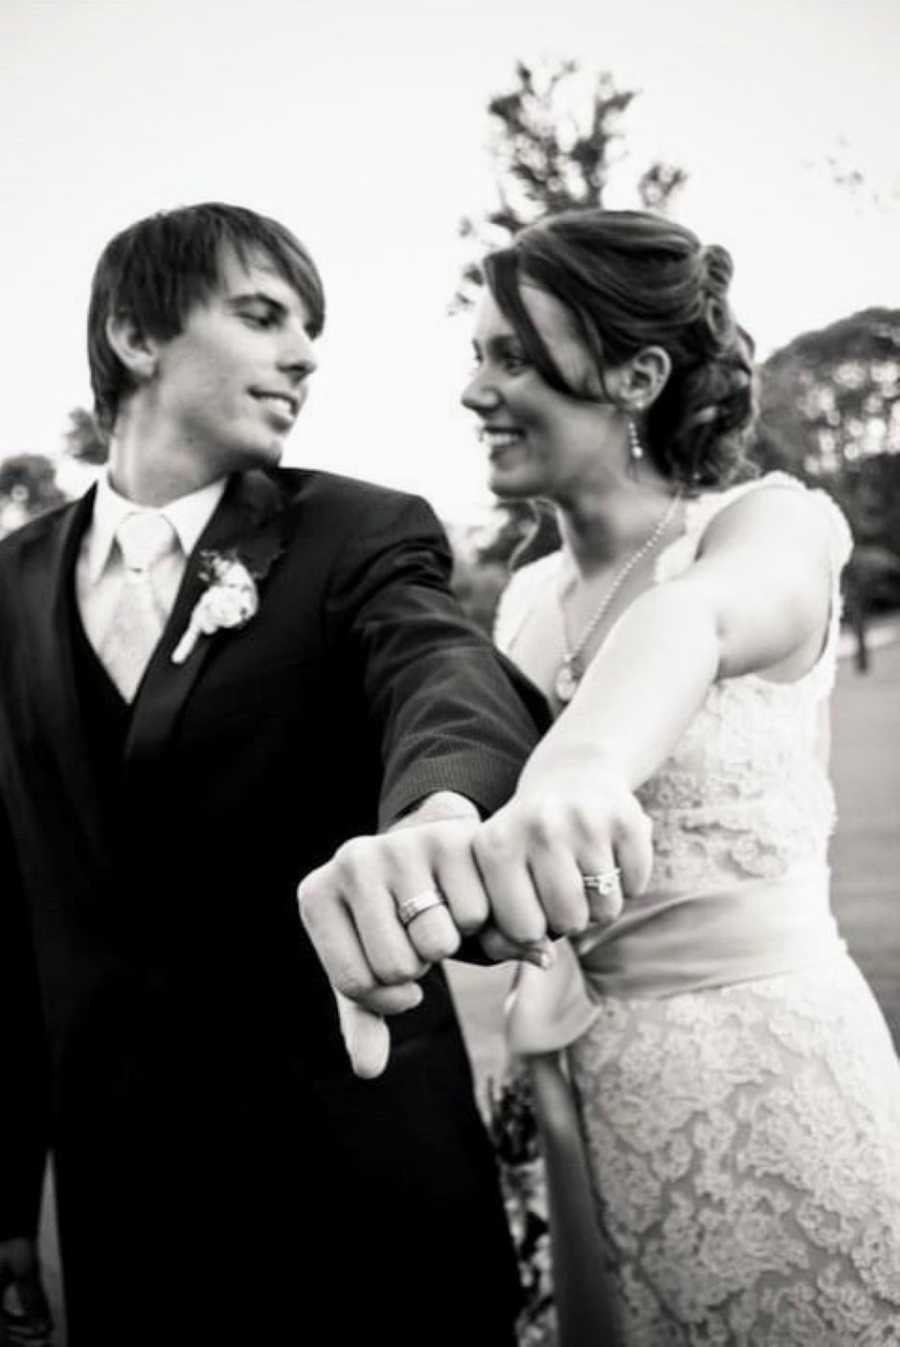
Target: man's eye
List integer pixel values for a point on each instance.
(259, 318)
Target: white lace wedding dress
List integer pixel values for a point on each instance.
(735, 1086)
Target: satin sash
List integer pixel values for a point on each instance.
(661, 946)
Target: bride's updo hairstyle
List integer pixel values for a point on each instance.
(631, 280)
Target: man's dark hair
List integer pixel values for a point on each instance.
(155, 271)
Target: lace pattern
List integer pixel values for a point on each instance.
(744, 794)
(746, 1148)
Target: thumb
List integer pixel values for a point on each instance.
(366, 1037)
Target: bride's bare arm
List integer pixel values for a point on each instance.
(755, 600)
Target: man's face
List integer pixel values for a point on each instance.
(231, 384)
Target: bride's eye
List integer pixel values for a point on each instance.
(515, 361)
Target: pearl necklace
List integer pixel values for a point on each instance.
(571, 671)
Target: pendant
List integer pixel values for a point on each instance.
(566, 684)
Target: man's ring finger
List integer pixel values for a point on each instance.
(410, 908)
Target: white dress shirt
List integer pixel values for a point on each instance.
(100, 573)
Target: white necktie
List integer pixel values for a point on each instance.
(144, 538)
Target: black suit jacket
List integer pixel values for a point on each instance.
(159, 997)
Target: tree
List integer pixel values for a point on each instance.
(832, 396)
(27, 488)
(555, 139)
(84, 439)
(553, 146)
(830, 413)
(829, 406)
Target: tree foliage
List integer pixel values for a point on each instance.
(833, 395)
(84, 439)
(830, 413)
(554, 139)
(28, 482)
(27, 488)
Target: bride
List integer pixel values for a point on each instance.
(719, 1094)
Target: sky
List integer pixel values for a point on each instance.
(363, 127)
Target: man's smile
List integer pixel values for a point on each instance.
(285, 405)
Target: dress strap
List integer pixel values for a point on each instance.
(701, 510)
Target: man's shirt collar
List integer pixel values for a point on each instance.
(188, 515)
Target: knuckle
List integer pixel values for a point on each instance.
(494, 844)
(571, 923)
(311, 885)
(526, 928)
(313, 911)
(350, 860)
(589, 826)
(398, 968)
(632, 817)
(352, 983)
(469, 920)
(437, 940)
(445, 945)
(546, 828)
(357, 857)
(448, 845)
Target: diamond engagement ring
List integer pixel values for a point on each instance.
(606, 883)
(410, 908)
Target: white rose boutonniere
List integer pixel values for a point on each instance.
(229, 601)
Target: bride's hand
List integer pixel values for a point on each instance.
(565, 852)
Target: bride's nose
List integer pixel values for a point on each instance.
(479, 394)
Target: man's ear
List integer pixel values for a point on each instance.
(641, 379)
(138, 352)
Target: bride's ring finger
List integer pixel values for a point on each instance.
(603, 889)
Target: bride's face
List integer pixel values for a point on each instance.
(540, 442)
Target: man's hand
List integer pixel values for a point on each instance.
(351, 909)
(24, 1312)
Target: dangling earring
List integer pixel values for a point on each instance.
(635, 448)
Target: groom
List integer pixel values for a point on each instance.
(213, 672)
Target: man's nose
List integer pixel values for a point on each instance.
(297, 356)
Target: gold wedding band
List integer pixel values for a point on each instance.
(410, 908)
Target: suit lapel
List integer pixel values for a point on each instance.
(50, 611)
(249, 519)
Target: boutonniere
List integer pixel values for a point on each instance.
(230, 600)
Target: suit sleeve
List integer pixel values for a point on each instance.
(24, 1091)
(451, 712)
